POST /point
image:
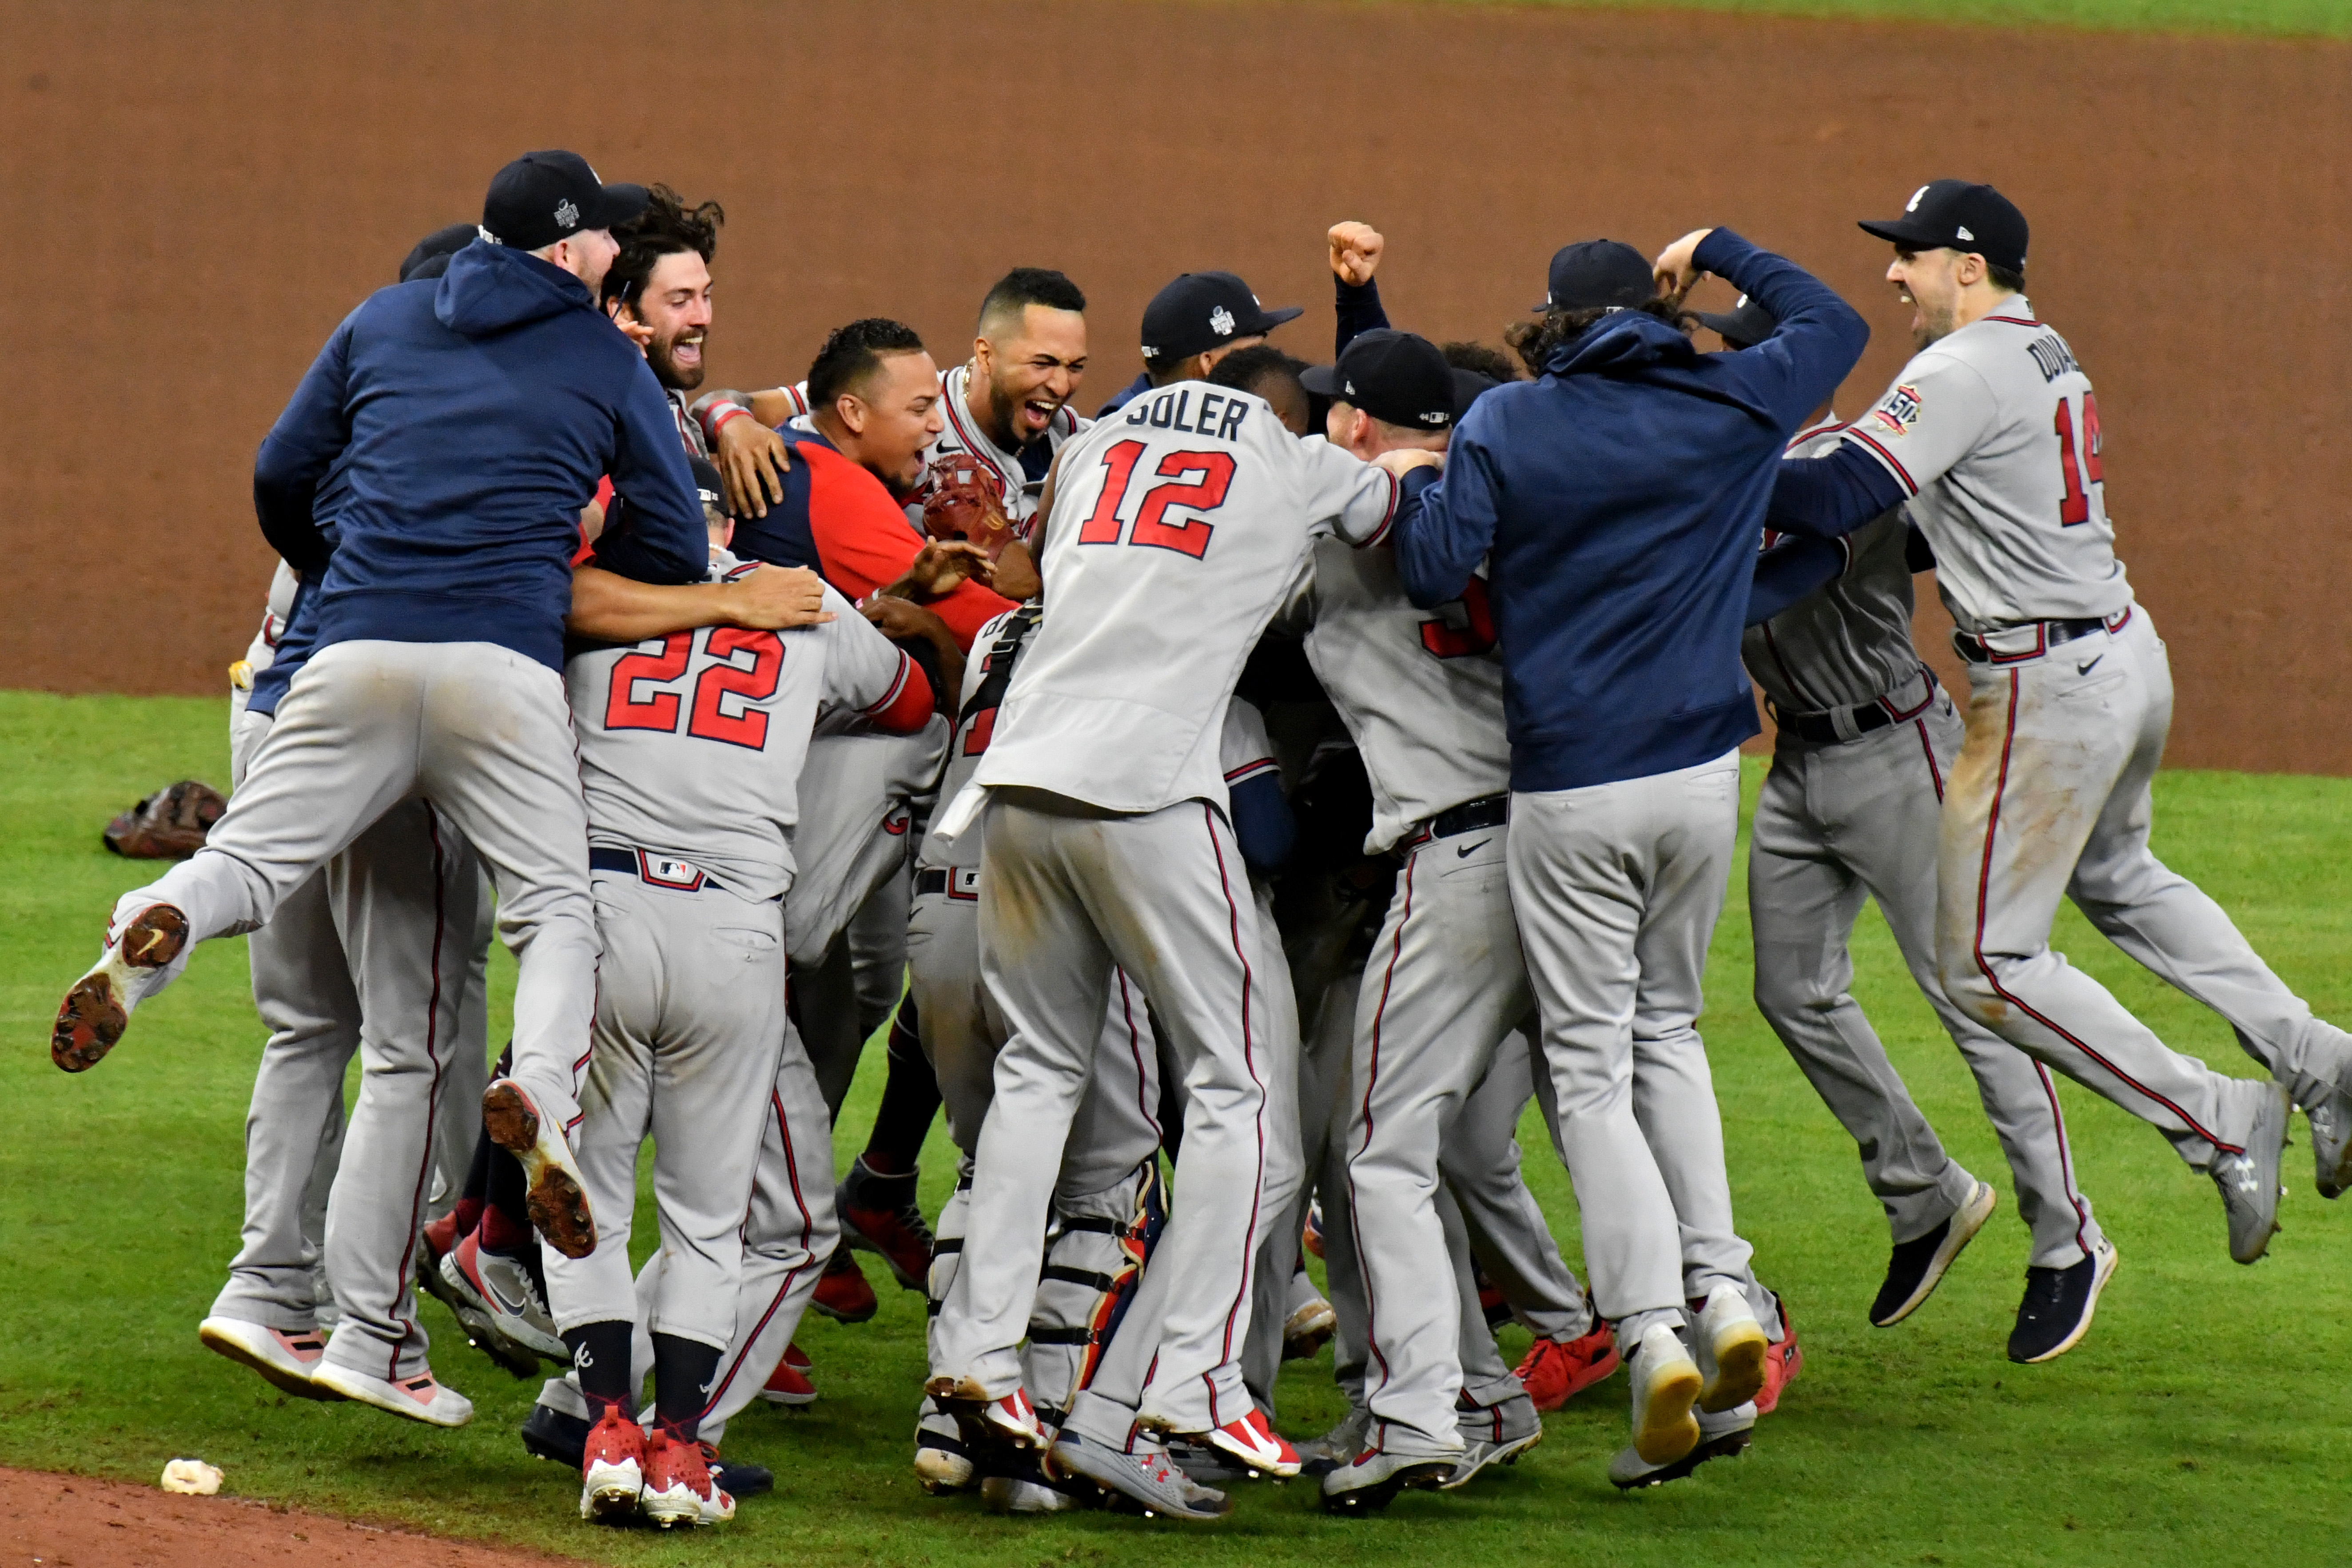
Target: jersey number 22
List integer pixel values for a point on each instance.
(708, 719)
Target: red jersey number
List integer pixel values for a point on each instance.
(1196, 481)
(1449, 641)
(2073, 469)
(752, 682)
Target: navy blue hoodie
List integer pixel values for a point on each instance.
(459, 426)
(1621, 501)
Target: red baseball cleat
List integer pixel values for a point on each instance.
(1257, 1445)
(612, 1470)
(789, 1384)
(797, 1358)
(1782, 1363)
(1556, 1372)
(678, 1488)
(881, 1215)
(842, 1293)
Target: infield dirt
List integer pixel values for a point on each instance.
(203, 192)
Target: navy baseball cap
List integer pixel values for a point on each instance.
(1204, 310)
(707, 485)
(543, 197)
(1743, 326)
(1396, 377)
(1595, 273)
(431, 257)
(1468, 385)
(1954, 215)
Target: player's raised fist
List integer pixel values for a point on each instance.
(1356, 251)
(1674, 268)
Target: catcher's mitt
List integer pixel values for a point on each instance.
(964, 499)
(169, 825)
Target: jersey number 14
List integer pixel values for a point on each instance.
(710, 719)
(2075, 506)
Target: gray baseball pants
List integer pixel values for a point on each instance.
(1617, 887)
(1839, 822)
(1066, 892)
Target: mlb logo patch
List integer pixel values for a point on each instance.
(1898, 412)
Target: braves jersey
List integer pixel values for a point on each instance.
(986, 675)
(1994, 435)
(691, 745)
(1420, 690)
(1177, 527)
(1022, 473)
(1850, 641)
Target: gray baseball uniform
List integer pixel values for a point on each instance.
(1993, 433)
(690, 753)
(1849, 812)
(1177, 527)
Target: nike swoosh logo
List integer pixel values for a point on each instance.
(1466, 851)
(2086, 669)
(498, 1299)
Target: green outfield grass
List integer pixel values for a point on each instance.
(2282, 18)
(2202, 1422)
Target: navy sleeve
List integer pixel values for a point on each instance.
(1790, 570)
(1827, 497)
(1358, 310)
(297, 453)
(1445, 526)
(1819, 341)
(663, 538)
(1263, 825)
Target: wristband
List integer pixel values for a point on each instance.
(717, 418)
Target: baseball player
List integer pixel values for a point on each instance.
(1989, 438)
(1196, 321)
(690, 748)
(1182, 524)
(1866, 740)
(475, 462)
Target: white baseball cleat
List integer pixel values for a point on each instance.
(558, 1201)
(1736, 1345)
(419, 1398)
(285, 1359)
(1257, 1445)
(1666, 1385)
(503, 1287)
(144, 953)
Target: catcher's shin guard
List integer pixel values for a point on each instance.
(1094, 1258)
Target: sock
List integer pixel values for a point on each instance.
(506, 1214)
(684, 1370)
(600, 1354)
(468, 1214)
(504, 1231)
(911, 1098)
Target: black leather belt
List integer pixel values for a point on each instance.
(956, 883)
(1832, 726)
(930, 881)
(655, 870)
(1470, 816)
(1990, 649)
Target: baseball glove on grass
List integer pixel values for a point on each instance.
(169, 825)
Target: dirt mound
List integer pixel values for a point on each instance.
(219, 185)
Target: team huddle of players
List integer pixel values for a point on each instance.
(1203, 794)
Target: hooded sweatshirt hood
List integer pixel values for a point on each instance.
(1623, 341)
(491, 288)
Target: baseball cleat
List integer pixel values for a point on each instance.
(842, 1293)
(1736, 1349)
(612, 1470)
(1917, 1267)
(1722, 1434)
(2249, 1180)
(677, 1485)
(285, 1359)
(788, 1384)
(1321, 1456)
(419, 1398)
(942, 1463)
(457, 1291)
(1782, 1363)
(1311, 1235)
(503, 1286)
(1024, 1488)
(1012, 1419)
(1371, 1481)
(882, 1214)
(1255, 1445)
(1494, 1435)
(1666, 1385)
(1148, 1479)
(737, 1477)
(557, 1201)
(139, 961)
(1307, 1330)
(556, 1434)
(2331, 1143)
(1555, 1370)
(2056, 1311)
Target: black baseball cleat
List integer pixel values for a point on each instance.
(2056, 1311)
(552, 1435)
(1917, 1266)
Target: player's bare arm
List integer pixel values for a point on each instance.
(903, 620)
(1676, 268)
(938, 569)
(610, 608)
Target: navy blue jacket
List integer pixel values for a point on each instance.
(461, 424)
(1621, 501)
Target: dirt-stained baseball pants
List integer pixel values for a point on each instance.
(1066, 892)
(2051, 798)
(1837, 824)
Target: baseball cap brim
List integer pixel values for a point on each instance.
(1269, 320)
(1903, 232)
(1322, 380)
(616, 205)
(1467, 386)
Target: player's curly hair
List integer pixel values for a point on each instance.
(666, 227)
(1483, 359)
(1534, 341)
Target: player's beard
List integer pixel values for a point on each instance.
(1936, 322)
(1005, 411)
(662, 354)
